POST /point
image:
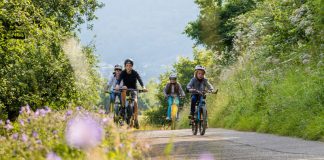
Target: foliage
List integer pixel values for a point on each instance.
(34, 68)
(274, 82)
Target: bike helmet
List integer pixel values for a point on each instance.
(173, 76)
(200, 67)
(119, 67)
(130, 61)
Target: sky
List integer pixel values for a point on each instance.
(147, 31)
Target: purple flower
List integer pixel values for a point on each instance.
(15, 136)
(27, 109)
(101, 111)
(55, 132)
(35, 134)
(24, 137)
(78, 108)
(42, 112)
(206, 156)
(8, 121)
(36, 113)
(8, 126)
(105, 120)
(38, 141)
(47, 109)
(28, 120)
(83, 132)
(69, 112)
(52, 156)
(1, 122)
(22, 122)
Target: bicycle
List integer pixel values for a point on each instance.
(174, 111)
(115, 107)
(129, 110)
(200, 117)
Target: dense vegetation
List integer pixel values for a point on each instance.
(267, 61)
(37, 65)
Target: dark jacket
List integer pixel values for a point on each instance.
(178, 91)
(130, 80)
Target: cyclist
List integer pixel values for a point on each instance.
(197, 84)
(172, 90)
(130, 77)
(112, 84)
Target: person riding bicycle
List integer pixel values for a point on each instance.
(198, 84)
(130, 77)
(172, 90)
(112, 84)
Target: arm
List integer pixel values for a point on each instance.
(209, 86)
(110, 82)
(190, 84)
(181, 91)
(121, 77)
(139, 79)
(164, 90)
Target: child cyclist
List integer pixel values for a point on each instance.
(111, 86)
(172, 90)
(198, 84)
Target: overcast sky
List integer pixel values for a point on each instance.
(148, 31)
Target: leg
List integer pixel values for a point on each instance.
(194, 99)
(111, 103)
(123, 98)
(170, 100)
(134, 95)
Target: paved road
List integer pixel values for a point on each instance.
(227, 144)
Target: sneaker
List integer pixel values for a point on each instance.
(168, 118)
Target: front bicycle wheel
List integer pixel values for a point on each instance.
(128, 115)
(194, 127)
(203, 121)
(174, 110)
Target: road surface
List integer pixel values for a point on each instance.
(227, 144)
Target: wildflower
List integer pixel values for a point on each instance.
(22, 123)
(78, 108)
(1, 122)
(52, 156)
(69, 112)
(42, 112)
(36, 113)
(35, 134)
(47, 109)
(38, 141)
(55, 132)
(15, 136)
(101, 111)
(8, 125)
(24, 137)
(83, 132)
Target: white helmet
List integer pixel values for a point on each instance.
(200, 67)
(173, 76)
(117, 66)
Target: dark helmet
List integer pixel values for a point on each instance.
(129, 61)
